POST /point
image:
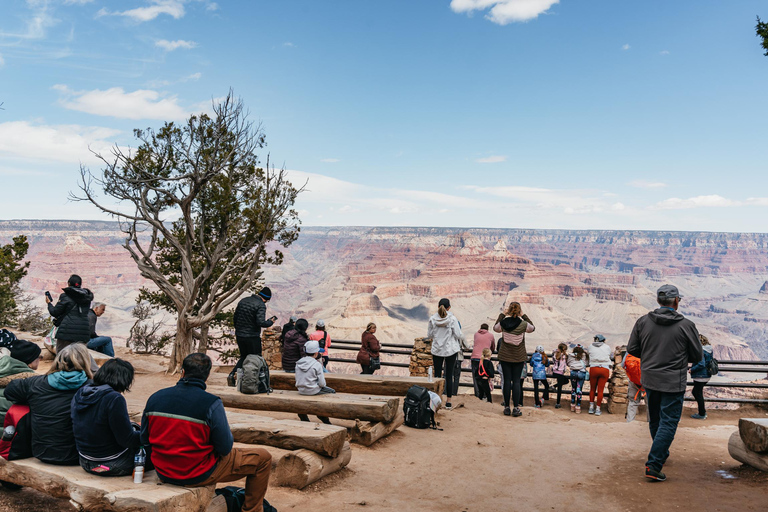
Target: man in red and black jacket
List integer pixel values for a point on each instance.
(190, 440)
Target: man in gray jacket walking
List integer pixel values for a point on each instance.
(665, 341)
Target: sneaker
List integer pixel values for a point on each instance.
(558, 406)
(517, 412)
(573, 407)
(538, 406)
(448, 406)
(698, 416)
(578, 409)
(597, 411)
(591, 407)
(507, 411)
(652, 474)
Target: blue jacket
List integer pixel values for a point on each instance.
(539, 368)
(101, 424)
(700, 370)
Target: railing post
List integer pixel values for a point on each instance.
(271, 349)
(618, 385)
(421, 357)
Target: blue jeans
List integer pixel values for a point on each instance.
(664, 411)
(102, 344)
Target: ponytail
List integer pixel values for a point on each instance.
(442, 311)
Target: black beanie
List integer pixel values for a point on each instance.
(75, 281)
(445, 303)
(266, 293)
(25, 351)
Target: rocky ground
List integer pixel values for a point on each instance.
(546, 460)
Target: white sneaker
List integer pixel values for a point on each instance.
(591, 407)
(597, 411)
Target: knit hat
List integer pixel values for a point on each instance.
(312, 347)
(540, 348)
(445, 303)
(266, 293)
(75, 281)
(25, 351)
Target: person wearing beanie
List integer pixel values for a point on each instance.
(250, 317)
(18, 360)
(309, 376)
(288, 327)
(324, 340)
(70, 314)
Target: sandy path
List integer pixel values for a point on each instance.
(546, 460)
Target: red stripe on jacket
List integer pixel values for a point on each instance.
(181, 449)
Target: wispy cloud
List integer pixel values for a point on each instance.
(708, 201)
(77, 2)
(170, 46)
(289, 44)
(647, 184)
(494, 159)
(504, 12)
(39, 20)
(173, 8)
(330, 160)
(664, 52)
(2, 60)
(568, 201)
(626, 47)
(61, 143)
(115, 102)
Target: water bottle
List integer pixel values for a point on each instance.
(138, 466)
(8, 433)
(239, 378)
(429, 374)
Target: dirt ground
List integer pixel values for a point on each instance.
(548, 459)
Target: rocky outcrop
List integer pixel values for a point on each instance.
(764, 288)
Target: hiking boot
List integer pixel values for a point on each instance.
(231, 379)
(578, 409)
(507, 411)
(448, 406)
(597, 411)
(591, 407)
(557, 406)
(698, 416)
(573, 407)
(652, 474)
(517, 412)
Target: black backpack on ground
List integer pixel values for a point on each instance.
(235, 498)
(417, 408)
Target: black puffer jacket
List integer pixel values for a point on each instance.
(250, 317)
(293, 349)
(71, 314)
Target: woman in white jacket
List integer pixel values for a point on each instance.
(445, 331)
(599, 358)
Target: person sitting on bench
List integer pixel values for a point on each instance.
(190, 441)
(309, 376)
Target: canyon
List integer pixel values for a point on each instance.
(572, 284)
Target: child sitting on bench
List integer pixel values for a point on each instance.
(309, 376)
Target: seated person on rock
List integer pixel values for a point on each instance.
(106, 439)
(98, 343)
(18, 360)
(309, 376)
(190, 442)
(49, 398)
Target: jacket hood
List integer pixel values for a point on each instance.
(91, 394)
(708, 348)
(665, 316)
(598, 343)
(509, 324)
(482, 331)
(67, 381)
(441, 322)
(10, 366)
(80, 296)
(305, 363)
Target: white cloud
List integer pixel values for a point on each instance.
(626, 47)
(494, 159)
(39, 20)
(289, 45)
(710, 201)
(169, 46)
(60, 143)
(503, 12)
(647, 184)
(330, 160)
(174, 8)
(2, 60)
(617, 207)
(115, 102)
(77, 2)
(194, 77)
(567, 201)
(757, 201)
(664, 52)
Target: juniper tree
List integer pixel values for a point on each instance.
(199, 212)
(12, 270)
(761, 29)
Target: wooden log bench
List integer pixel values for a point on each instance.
(739, 451)
(339, 405)
(382, 385)
(754, 433)
(366, 433)
(101, 494)
(299, 468)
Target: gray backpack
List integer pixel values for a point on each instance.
(255, 376)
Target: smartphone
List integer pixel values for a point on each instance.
(273, 318)
(48, 294)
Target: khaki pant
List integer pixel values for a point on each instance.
(253, 464)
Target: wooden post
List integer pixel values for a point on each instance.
(300, 468)
(367, 433)
(741, 453)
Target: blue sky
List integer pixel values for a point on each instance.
(487, 113)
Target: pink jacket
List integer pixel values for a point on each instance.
(483, 339)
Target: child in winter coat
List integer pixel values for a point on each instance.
(578, 367)
(700, 374)
(560, 369)
(635, 392)
(539, 363)
(599, 361)
(484, 374)
(309, 376)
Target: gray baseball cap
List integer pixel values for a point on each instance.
(320, 323)
(668, 291)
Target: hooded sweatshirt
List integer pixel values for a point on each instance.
(101, 424)
(53, 440)
(10, 369)
(483, 339)
(665, 341)
(599, 355)
(293, 349)
(71, 314)
(700, 371)
(539, 368)
(309, 376)
(446, 335)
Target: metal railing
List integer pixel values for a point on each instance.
(729, 366)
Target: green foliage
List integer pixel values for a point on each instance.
(762, 32)
(12, 270)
